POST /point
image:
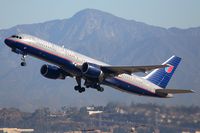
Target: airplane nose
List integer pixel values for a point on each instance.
(8, 42)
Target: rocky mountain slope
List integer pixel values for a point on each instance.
(105, 37)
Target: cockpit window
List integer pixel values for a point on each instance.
(15, 36)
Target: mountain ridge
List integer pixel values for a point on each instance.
(107, 38)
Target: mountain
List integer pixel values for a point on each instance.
(105, 37)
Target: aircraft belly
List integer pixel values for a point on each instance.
(127, 87)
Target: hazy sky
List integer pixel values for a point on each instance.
(165, 13)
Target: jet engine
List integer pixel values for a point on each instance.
(92, 72)
(52, 72)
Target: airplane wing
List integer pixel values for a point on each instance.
(116, 70)
(173, 91)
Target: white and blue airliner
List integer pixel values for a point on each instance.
(67, 63)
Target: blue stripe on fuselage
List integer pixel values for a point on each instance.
(70, 67)
(128, 87)
(66, 64)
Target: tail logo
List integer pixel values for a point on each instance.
(169, 68)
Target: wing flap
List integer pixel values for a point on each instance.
(116, 70)
(173, 91)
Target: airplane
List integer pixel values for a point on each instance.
(94, 73)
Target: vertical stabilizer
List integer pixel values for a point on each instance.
(162, 76)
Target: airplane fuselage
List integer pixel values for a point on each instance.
(68, 60)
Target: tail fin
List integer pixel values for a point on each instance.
(162, 76)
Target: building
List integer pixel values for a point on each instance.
(15, 130)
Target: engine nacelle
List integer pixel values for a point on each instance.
(92, 71)
(52, 72)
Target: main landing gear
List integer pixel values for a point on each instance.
(99, 88)
(23, 63)
(93, 85)
(79, 88)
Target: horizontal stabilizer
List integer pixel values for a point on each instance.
(173, 91)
